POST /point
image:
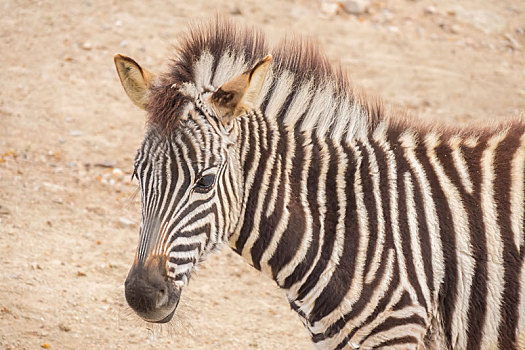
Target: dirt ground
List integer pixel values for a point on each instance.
(68, 135)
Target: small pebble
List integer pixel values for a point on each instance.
(393, 29)
(455, 29)
(355, 7)
(430, 10)
(87, 46)
(64, 328)
(117, 173)
(329, 8)
(36, 266)
(125, 222)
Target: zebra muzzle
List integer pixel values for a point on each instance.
(150, 293)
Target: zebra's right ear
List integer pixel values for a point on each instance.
(135, 79)
(240, 94)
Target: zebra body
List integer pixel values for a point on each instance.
(394, 223)
(384, 233)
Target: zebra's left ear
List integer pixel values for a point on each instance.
(135, 79)
(240, 94)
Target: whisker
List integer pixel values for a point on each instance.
(130, 199)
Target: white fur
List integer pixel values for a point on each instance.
(495, 266)
(464, 254)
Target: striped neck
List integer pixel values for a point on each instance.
(286, 212)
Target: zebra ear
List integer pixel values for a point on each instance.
(135, 79)
(240, 94)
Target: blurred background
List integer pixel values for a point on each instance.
(68, 136)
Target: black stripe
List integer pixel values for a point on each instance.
(185, 248)
(478, 296)
(343, 275)
(408, 339)
(403, 302)
(374, 225)
(380, 307)
(448, 291)
(300, 143)
(313, 203)
(244, 136)
(164, 189)
(404, 230)
(384, 187)
(294, 233)
(330, 223)
(181, 261)
(392, 322)
(302, 268)
(251, 204)
(370, 203)
(186, 175)
(510, 297)
(423, 233)
(268, 225)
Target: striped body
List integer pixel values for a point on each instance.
(384, 233)
(404, 237)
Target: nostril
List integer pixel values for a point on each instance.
(162, 298)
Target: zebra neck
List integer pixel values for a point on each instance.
(294, 200)
(313, 216)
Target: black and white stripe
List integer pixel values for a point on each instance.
(384, 233)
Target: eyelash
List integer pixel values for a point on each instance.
(202, 185)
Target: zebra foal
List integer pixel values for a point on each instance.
(383, 232)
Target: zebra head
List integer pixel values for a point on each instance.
(190, 179)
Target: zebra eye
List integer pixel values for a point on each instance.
(205, 183)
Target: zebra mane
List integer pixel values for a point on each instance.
(302, 89)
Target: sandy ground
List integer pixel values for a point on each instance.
(68, 135)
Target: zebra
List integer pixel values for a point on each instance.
(383, 231)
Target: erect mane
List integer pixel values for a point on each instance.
(303, 89)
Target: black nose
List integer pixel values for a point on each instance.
(149, 292)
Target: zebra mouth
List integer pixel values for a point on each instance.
(169, 317)
(157, 316)
(153, 297)
(174, 299)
